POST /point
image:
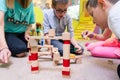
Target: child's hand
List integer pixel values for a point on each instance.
(4, 55)
(27, 36)
(78, 49)
(86, 34)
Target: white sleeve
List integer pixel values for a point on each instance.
(114, 21)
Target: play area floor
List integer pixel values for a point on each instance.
(91, 68)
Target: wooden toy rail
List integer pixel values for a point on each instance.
(34, 52)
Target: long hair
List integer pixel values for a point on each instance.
(10, 3)
(23, 3)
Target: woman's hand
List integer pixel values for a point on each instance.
(4, 55)
(27, 35)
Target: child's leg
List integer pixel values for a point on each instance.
(106, 52)
(91, 46)
(58, 44)
(16, 45)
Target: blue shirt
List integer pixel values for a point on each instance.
(17, 19)
(52, 22)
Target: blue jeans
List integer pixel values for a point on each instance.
(16, 43)
(59, 44)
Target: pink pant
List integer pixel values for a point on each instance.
(98, 50)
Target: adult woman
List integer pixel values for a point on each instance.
(16, 20)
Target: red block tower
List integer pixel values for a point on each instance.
(66, 54)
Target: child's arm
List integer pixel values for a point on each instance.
(75, 44)
(105, 35)
(4, 50)
(27, 32)
(114, 20)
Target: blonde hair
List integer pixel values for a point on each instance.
(23, 3)
(10, 3)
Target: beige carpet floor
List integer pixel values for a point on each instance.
(91, 68)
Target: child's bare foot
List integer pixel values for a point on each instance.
(21, 55)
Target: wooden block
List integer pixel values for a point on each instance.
(56, 56)
(35, 37)
(110, 61)
(45, 46)
(35, 63)
(66, 51)
(57, 37)
(54, 50)
(72, 56)
(66, 36)
(66, 72)
(45, 37)
(34, 49)
(35, 66)
(32, 42)
(78, 60)
(51, 33)
(34, 70)
(33, 56)
(44, 53)
(55, 62)
(66, 62)
(33, 27)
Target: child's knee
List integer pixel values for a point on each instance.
(94, 52)
(22, 48)
(19, 49)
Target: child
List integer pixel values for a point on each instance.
(105, 8)
(108, 10)
(17, 16)
(101, 37)
(57, 19)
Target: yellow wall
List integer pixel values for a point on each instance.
(84, 23)
(38, 15)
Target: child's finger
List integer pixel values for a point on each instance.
(2, 57)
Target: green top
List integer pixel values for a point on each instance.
(17, 19)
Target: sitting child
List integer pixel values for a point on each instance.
(109, 48)
(57, 19)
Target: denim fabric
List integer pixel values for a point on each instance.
(16, 43)
(59, 45)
